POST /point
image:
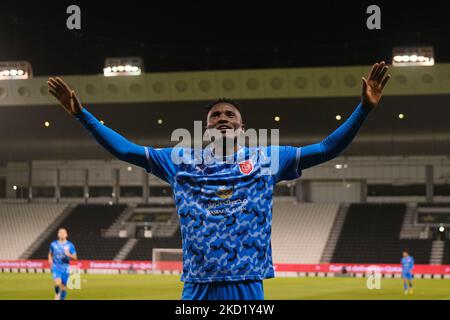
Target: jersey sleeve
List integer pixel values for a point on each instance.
(160, 163)
(285, 162)
(112, 141)
(72, 249)
(50, 250)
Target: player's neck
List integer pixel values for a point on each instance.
(226, 149)
(229, 149)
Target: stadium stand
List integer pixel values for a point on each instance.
(371, 234)
(300, 230)
(434, 204)
(410, 230)
(446, 257)
(144, 247)
(299, 233)
(21, 224)
(85, 225)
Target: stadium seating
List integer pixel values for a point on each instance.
(300, 231)
(434, 204)
(371, 234)
(22, 223)
(85, 225)
(446, 258)
(144, 247)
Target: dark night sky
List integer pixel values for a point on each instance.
(198, 36)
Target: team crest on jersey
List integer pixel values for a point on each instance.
(246, 166)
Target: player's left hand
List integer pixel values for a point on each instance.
(373, 86)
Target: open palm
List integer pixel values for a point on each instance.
(65, 95)
(373, 86)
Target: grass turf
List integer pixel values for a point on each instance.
(39, 286)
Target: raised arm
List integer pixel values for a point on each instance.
(116, 144)
(335, 143)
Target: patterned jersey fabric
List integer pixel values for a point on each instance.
(225, 207)
(60, 259)
(407, 264)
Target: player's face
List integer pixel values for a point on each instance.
(405, 254)
(226, 118)
(62, 234)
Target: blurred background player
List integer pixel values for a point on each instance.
(407, 267)
(59, 256)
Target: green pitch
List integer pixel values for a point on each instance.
(39, 286)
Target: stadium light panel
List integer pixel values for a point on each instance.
(128, 66)
(15, 70)
(412, 56)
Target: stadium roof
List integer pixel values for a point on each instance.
(198, 36)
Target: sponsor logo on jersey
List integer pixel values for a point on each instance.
(224, 192)
(227, 206)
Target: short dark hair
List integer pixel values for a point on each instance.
(210, 105)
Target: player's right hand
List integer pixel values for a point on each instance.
(65, 95)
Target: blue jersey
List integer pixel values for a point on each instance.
(225, 207)
(407, 264)
(60, 259)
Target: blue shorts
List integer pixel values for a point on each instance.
(407, 275)
(61, 274)
(224, 290)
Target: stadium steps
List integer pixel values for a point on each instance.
(300, 230)
(446, 255)
(437, 252)
(48, 232)
(166, 229)
(119, 223)
(409, 228)
(22, 223)
(327, 254)
(126, 249)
